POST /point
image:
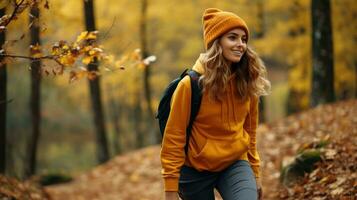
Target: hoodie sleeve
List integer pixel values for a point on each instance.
(174, 140)
(250, 125)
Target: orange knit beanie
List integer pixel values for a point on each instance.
(216, 22)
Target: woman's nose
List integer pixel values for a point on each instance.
(239, 42)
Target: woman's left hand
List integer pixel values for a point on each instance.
(259, 188)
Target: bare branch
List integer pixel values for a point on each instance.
(110, 28)
(29, 57)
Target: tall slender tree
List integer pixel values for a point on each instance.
(260, 34)
(322, 90)
(35, 100)
(144, 49)
(138, 118)
(355, 64)
(3, 81)
(95, 93)
(147, 70)
(115, 115)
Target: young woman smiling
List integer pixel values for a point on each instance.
(222, 150)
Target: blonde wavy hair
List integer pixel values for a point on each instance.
(250, 73)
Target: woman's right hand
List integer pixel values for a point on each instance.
(171, 196)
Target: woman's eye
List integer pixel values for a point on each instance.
(231, 37)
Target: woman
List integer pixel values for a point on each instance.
(222, 151)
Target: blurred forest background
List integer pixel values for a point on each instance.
(172, 32)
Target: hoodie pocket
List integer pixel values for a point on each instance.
(218, 154)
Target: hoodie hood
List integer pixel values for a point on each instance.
(198, 66)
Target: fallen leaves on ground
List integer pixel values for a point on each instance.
(133, 176)
(136, 175)
(11, 188)
(335, 176)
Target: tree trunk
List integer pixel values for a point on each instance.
(143, 41)
(115, 114)
(138, 116)
(35, 101)
(260, 34)
(144, 51)
(3, 102)
(322, 90)
(117, 130)
(147, 71)
(102, 143)
(355, 63)
(261, 18)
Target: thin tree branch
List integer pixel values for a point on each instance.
(47, 57)
(14, 12)
(110, 28)
(29, 57)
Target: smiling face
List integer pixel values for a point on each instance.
(234, 45)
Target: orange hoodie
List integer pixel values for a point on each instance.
(222, 133)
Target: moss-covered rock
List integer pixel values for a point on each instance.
(54, 178)
(303, 163)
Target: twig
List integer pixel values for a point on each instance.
(48, 57)
(28, 57)
(14, 12)
(110, 28)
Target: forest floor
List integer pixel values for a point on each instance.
(136, 175)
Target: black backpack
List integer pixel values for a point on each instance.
(163, 110)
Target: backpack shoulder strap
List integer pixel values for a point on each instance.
(196, 97)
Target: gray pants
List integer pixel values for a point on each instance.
(237, 182)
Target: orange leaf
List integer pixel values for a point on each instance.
(92, 75)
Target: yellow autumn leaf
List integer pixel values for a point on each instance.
(55, 51)
(65, 47)
(82, 36)
(122, 60)
(141, 65)
(136, 55)
(35, 48)
(95, 51)
(37, 55)
(81, 74)
(92, 35)
(67, 60)
(109, 58)
(87, 48)
(86, 60)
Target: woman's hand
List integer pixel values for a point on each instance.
(260, 188)
(171, 196)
